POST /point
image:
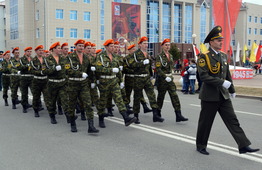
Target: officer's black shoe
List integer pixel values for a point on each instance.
(73, 125)
(146, 108)
(68, 118)
(83, 116)
(6, 102)
(128, 120)
(91, 128)
(36, 113)
(137, 120)
(203, 151)
(109, 112)
(101, 121)
(60, 110)
(53, 119)
(13, 104)
(24, 109)
(179, 117)
(247, 149)
(156, 117)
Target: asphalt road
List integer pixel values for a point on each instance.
(29, 143)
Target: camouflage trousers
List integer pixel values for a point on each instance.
(143, 83)
(170, 87)
(6, 85)
(25, 83)
(79, 90)
(109, 87)
(110, 98)
(15, 82)
(39, 87)
(57, 90)
(94, 95)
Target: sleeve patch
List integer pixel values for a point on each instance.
(201, 62)
(67, 66)
(158, 64)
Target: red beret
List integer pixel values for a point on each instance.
(109, 41)
(116, 43)
(46, 51)
(142, 39)
(165, 41)
(28, 48)
(16, 48)
(6, 52)
(98, 51)
(131, 46)
(88, 43)
(38, 47)
(93, 44)
(80, 41)
(64, 44)
(54, 45)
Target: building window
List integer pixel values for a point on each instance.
(255, 41)
(87, 33)
(249, 30)
(260, 42)
(37, 15)
(73, 0)
(87, 1)
(14, 34)
(260, 31)
(73, 15)
(117, 0)
(250, 18)
(261, 20)
(59, 14)
(86, 16)
(166, 21)
(233, 42)
(177, 23)
(37, 33)
(255, 31)
(153, 21)
(255, 19)
(249, 42)
(188, 23)
(73, 33)
(133, 1)
(203, 17)
(102, 19)
(59, 32)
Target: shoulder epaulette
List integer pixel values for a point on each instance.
(205, 52)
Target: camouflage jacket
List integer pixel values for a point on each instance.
(164, 65)
(15, 64)
(127, 69)
(5, 66)
(24, 65)
(36, 67)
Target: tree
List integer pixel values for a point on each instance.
(175, 52)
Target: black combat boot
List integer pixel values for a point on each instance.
(128, 110)
(146, 109)
(24, 109)
(68, 120)
(156, 117)
(159, 113)
(91, 128)
(101, 121)
(83, 116)
(60, 110)
(36, 113)
(6, 102)
(137, 120)
(179, 117)
(78, 108)
(13, 104)
(128, 120)
(129, 107)
(109, 111)
(17, 101)
(73, 124)
(52, 119)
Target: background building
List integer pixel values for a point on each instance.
(2, 26)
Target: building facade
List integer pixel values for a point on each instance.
(2, 27)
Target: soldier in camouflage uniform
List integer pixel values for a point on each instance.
(140, 63)
(15, 76)
(40, 80)
(5, 69)
(107, 66)
(78, 70)
(26, 77)
(56, 74)
(164, 67)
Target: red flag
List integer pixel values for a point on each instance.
(225, 15)
(258, 55)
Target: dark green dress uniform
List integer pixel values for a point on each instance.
(5, 68)
(39, 83)
(164, 67)
(56, 85)
(25, 80)
(142, 74)
(14, 80)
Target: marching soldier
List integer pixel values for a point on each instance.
(6, 72)
(26, 77)
(107, 66)
(164, 67)
(78, 69)
(1, 60)
(15, 76)
(215, 93)
(141, 64)
(65, 49)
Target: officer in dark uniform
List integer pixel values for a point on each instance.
(215, 93)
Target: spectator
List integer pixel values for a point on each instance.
(192, 75)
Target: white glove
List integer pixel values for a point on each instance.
(122, 85)
(121, 68)
(18, 72)
(97, 82)
(115, 70)
(168, 79)
(151, 78)
(233, 95)
(146, 61)
(93, 68)
(93, 85)
(58, 68)
(28, 65)
(84, 75)
(226, 84)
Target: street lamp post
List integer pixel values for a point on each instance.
(194, 38)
